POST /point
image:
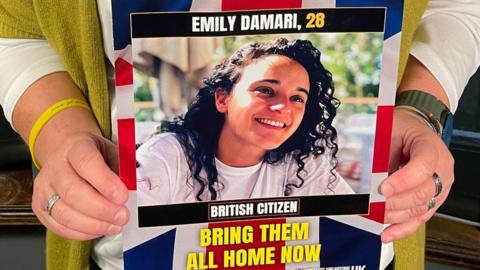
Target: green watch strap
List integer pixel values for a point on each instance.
(434, 109)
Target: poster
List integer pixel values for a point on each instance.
(255, 135)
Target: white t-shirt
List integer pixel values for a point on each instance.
(163, 176)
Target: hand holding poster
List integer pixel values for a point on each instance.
(264, 169)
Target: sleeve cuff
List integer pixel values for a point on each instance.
(23, 63)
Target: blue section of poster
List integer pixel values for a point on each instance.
(156, 254)
(344, 245)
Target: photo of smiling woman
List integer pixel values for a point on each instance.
(260, 127)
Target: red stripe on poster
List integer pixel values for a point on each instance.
(126, 152)
(377, 212)
(234, 240)
(123, 72)
(228, 5)
(383, 134)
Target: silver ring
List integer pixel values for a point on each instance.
(51, 202)
(438, 184)
(431, 203)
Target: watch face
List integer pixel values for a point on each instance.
(447, 129)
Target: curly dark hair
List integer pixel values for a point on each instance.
(313, 136)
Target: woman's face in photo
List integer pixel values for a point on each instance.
(266, 105)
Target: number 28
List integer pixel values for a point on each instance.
(315, 20)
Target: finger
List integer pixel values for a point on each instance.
(55, 227)
(88, 162)
(423, 161)
(394, 217)
(418, 196)
(68, 217)
(82, 197)
(402, 230)
(64, 215)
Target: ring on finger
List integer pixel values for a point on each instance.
(51, 202)
(438, 184)
(431, 203)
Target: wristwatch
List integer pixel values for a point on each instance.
(431, 109)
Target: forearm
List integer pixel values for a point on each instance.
(418, 77)
(39, 96)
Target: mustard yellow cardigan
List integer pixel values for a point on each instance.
(73, 29)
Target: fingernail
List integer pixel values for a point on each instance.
(387, 190)
(113, 229)
(121, 217)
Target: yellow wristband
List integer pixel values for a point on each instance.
(46, 116)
